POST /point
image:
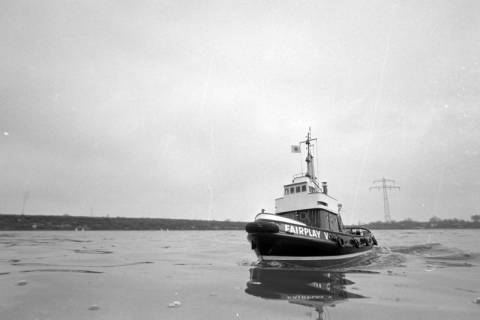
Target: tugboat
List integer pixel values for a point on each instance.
(306, 228)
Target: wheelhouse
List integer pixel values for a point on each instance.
(318, 218)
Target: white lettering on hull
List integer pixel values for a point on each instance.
(303, 231)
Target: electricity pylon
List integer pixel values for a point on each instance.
(385, 187)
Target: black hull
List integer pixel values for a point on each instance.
(311, 248)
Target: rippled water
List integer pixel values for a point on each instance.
(413, 274)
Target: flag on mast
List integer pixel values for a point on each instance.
(296, 149)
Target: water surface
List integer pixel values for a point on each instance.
(413, 274)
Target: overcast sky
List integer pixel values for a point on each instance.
(187, 109)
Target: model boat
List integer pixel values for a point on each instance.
(306, 227)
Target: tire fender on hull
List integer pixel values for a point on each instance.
(355, 243)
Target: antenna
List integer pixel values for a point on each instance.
(385, 186)
(25, 199)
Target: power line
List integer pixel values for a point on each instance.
(385, 185)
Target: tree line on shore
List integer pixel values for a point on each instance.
(66, 222)
(433, 223)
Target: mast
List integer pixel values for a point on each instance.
(309, 160)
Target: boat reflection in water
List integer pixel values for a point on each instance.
(309, 287)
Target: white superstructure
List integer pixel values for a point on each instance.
(305, 192)
(301, 195)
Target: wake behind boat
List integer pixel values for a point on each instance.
(307, 227)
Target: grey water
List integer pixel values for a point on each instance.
(412, 274)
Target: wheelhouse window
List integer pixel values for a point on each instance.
(297, 189)
(333, 222)
(292, 190)
(286, 191)
(304, 188)
(324, 220)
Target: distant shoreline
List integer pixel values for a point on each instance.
(424, 225)
(12, 222)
